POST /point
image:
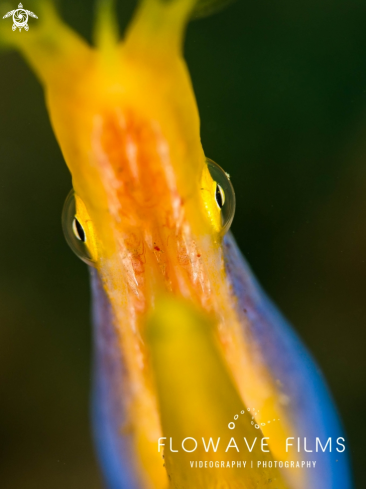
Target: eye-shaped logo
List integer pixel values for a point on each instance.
(20, 17)
(256, 419)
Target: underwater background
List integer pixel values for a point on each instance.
(281, 88)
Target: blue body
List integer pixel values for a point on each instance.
(110, 397)
(311, 408)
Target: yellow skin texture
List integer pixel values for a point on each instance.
(126, 120)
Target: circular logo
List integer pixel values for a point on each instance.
(20, 19)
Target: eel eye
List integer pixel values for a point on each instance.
(224, 195)
(219, 196)
(77, 230)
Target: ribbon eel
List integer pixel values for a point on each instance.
(199, 382)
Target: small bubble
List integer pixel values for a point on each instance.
(256, 427)
(231, 426)
(263, 424)
(242, 412)
(236, 416)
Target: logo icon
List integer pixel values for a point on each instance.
(20, 17)
(255, 414)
